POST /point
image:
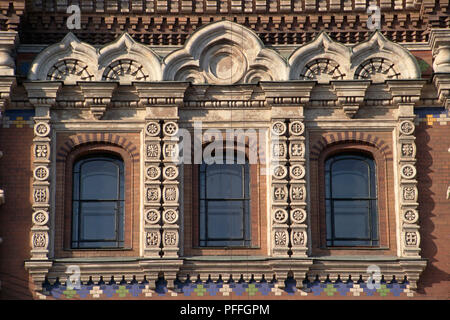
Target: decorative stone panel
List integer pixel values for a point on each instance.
(406, 93)
(152, 190)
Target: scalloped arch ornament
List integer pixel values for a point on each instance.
(321, 59)
(224, 53)
(71, 60)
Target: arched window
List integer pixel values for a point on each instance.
(224, 204)
(98, 202)
(351, 200)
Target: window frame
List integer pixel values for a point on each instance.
(386, 192)
(63, 207)
(372, 198)
(245, 200)
(119, 202)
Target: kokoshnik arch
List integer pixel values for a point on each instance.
(325, 108)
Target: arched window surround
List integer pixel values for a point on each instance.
(63, 217)
(258, 216)
(385, 203)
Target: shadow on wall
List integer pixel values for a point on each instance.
(427, 212)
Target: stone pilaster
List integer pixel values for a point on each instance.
(279, 188)
(42, 95)
(170, 189)
(405, 94)
(152, 189)
(297, 190)
(161, 185)
(6, 85)
(287, 164)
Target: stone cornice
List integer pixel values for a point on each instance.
(165, 93)
(97, 96)
(442, 83)
(42, 93)
(6, 85)
(287, 92)
(405, 91)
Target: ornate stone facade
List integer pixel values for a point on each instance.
(226, 76)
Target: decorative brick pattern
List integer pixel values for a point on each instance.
(248, 289)
(349, 136)
(91, 138)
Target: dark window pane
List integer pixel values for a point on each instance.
(351, 209)
(351, 219)
(98, 192)
(75, 218)
(98, 220)
(350, 179)
(224, 181)
(328, 217)
(99, 180)
(225, 220)
(76, 186)
(224, 217)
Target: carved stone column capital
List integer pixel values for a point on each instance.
(440, 46)
(6, 84)
(8, 42)
(405, 92)
(42, 94)
(442, 84)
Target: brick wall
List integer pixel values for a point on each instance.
(15, 214)
(433, 142)
(433, 169)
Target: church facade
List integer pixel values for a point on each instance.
(208, 149)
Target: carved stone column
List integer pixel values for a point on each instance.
(42, 95)
(152, 189)
(297, 182)
(405, 94)
(279, 188)
(161, 186)
(440, 45)
(170, 189)
(287, 155)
